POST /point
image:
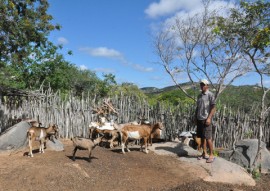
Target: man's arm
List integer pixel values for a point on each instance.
(211, 114)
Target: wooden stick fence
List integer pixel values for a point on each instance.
(74, 115)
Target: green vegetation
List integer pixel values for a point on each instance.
(28, 60)
(172, 97)
(243, 98)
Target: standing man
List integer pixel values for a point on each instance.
(203, 118)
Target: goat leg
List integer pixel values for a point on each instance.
(41, 146)
(74, 152)
(127, 146)
(90, 152)
(30, 148)
(145, 145)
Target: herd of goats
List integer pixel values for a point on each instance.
(99, 131)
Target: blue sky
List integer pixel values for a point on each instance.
(113, 36)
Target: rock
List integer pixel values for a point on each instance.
(14, 137)
(245, 153)
(55, 145)
(220, 170)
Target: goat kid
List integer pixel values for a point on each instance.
(198, 142)
(85, 144)
(40, 134)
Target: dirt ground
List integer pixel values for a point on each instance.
(108, 170)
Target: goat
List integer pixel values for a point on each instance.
(108, 130)
(155, 134)
(85, 144)
(197, 140)
(137, 132)
(40, 134)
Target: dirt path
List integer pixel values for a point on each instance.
(108, 170)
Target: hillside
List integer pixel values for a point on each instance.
(244, 97)
(154, 90)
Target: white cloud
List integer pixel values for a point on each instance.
(62, 40)
(183, 8)
(114, 54)
(166, 7)
(102, 52)
(83, 67)
(104, 70)
(141, 68)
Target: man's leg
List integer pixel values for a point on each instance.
(201, 134)
(204, 147)
(210, 145)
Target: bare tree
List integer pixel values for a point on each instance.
(190, 47)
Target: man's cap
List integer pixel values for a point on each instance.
(204, 81)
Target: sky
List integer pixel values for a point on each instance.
(114, 36)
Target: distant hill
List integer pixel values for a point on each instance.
(154, 90)
(246, 97)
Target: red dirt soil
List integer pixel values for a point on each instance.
(108, 170)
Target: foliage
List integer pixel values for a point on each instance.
(249, 27)
(24, 25)
(216, 153)
(107, 85)
(255, 172)
(248, 134)
(28, 59)
(127, 89)
(24, 30)
(244, 98)
(84, 81)
(172, 97)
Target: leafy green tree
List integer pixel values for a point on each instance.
(173, 97)
(107, 85)
(128, 89)
(249, 26)
(85, 81)
(24, 24)
(24, 29)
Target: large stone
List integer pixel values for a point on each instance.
(245, 153)
(14, 137)
(220, 170)
(55, 145)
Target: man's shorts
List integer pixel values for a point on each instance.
(203, 131)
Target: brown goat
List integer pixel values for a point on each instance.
(137, 132)
(155, 134)
(85, 144)
(198, 142)
(40, 134)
